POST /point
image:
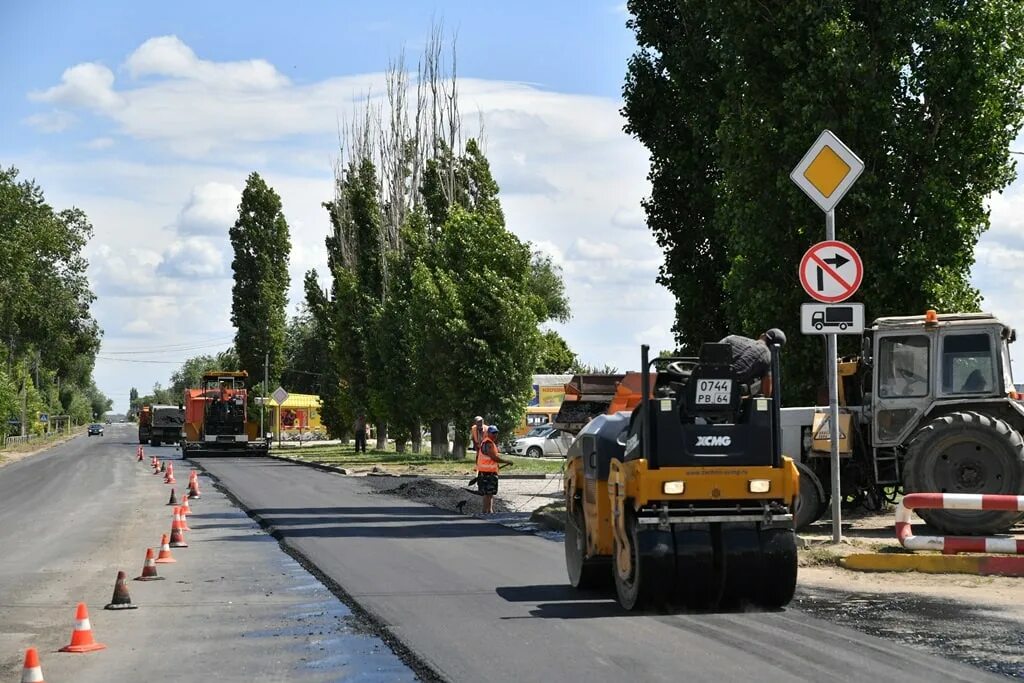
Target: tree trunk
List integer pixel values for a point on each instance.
(459, 445)
(382, 436)
(399, 446)
(439, 438)
(417, 437)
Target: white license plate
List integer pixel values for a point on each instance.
(714, 392)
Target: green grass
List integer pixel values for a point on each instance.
(409, 463)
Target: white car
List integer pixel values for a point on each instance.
(544, 440)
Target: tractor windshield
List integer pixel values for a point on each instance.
(968, 364)
(903, 366)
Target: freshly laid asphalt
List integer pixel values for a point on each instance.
(476, 601)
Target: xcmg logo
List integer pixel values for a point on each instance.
(705, 441)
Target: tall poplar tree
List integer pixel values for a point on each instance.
(728, 97)
(258, 298)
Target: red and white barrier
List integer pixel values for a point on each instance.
(957, 544)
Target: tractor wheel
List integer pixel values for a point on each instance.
(966, 452)
(584, 573)
(633, 588)
(534, 452)
(811, 502)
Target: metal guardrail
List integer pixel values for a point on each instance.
(11, 441)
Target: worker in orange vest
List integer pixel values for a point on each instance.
(487, 461)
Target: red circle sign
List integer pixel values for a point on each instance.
(831, 271)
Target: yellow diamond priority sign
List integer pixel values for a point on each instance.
(827, 171)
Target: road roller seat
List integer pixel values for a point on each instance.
(696, 427)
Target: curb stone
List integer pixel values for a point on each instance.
(980, 565)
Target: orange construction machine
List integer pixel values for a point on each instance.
(145, 424)
(216, 418)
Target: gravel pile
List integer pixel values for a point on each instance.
(431, 492)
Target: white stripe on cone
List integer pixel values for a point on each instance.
(83, 625)
(33, 675)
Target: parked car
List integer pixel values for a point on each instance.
(544, 440)
(96, 429)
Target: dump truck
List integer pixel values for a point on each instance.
(678, 492)
(216, 418)
(145, 424)
(166, 422)
(928, 406)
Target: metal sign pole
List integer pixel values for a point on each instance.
(832, 360)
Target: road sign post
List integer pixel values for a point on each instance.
(826, 172)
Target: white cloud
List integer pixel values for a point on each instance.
(55, 121)
(88, 85)
(211, 208)
(169, 56)
(193, 258)
(100, 143)
(571, 184)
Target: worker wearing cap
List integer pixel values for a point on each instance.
(477, 432)
(487, 461)
(751, 359)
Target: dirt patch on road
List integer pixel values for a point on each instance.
(425, 490)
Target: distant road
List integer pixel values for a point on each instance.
(480, 602)
(232, 608)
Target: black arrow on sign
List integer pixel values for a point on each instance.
(838, 260)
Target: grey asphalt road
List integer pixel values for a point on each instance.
(479, 602)
(234, 607)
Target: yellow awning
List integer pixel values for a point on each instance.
(298, 401)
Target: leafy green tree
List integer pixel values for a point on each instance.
(306, 354)
(727, 98)
(547, 290)
(555, 356)
(475, 328)
(261, 246)
(133, 398)
(190, 374)
(44, 290)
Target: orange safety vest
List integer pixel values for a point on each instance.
(484, 463)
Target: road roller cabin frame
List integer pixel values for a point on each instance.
(917, 418)
(216, 417)
(687, 499)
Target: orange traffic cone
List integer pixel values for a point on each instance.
(186, 509)
(169, 475)
(138, 454)
(173, 500)
(182, 521)
(121, 599)
(149, 568)
(32, 672)
(177, 535)
(158, 466)
(165, 556)
(193, 488)
(81, 637)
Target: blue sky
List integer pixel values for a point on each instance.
(149, 116)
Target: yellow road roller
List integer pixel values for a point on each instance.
(683, 498)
